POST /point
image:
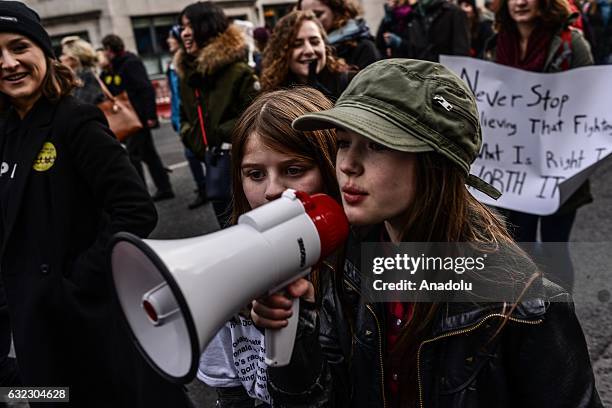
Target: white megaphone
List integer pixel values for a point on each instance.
(177, 294)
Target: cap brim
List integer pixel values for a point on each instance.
(365, 123)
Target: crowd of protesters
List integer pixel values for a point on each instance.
(278, 124)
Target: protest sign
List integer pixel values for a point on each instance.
(543, 134)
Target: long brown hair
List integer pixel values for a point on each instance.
(553, 15)
(344, 10)
(58, 82)
(277, 54)
(443, 210)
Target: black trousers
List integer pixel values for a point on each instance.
(552, 253)
(141, 148)
(9, 375)
(96, 358)
(90, 350)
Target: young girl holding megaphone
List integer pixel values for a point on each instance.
(408, 132)
(268, 158)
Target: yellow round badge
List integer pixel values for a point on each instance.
(46, 157)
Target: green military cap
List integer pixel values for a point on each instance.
(411, 106)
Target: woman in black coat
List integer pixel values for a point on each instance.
(66, 186)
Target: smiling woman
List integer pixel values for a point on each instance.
(307, 48)
(298, 54)
(348, 33)
(24, 68)
(27, 73)
(70, 188)
(215, 79)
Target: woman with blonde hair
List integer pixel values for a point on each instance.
(298, 54)
(81, 57)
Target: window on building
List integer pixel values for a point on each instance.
(56, 40)
(237, 17)
(273, 13)
(150, 34)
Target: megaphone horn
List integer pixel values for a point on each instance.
(177, 294)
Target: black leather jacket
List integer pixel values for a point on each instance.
(539, 359)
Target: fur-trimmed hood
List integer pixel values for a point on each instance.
(227, 48)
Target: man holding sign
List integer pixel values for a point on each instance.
(538, 138)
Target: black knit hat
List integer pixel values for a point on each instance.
(16, 17)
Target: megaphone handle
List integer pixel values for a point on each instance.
(279, 342)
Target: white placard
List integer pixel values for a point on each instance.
(542, 133)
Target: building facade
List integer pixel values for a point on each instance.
(144, 24)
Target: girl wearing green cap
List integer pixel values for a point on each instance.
(402, 166)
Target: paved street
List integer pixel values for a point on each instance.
(176, 221)
(592, 255)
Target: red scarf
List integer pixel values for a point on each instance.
(509, 50)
